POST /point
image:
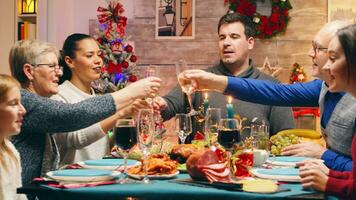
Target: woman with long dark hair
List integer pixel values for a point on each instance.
(82, 63)
(341, 66)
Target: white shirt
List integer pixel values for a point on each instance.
(10, 179)
(85, 144)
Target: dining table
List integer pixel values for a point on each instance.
(164, 189)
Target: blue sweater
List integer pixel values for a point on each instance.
(299, 94)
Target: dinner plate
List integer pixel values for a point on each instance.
(82, 175)
(107, 164)
(290, 161)
(158, 177)
(280, 174)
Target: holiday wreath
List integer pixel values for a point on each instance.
(266, 26)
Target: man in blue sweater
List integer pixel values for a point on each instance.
(338, 109)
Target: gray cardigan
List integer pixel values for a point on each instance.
(279, 118)
(342, 124)
(50, 116)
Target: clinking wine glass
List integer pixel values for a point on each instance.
(125, 138)
(183, 126)
(212, 119)
(146, 132)
(186, 86)
(228, 135)
(154, 71)
(151, 71)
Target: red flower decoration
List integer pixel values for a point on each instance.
(274, 18)
(285, 12)
(133, 58)
(266, 26)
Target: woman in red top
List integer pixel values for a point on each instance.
(341, 66)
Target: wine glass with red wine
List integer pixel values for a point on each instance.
(228, 135)
(125, 138)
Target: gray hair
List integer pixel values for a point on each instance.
(27, 52)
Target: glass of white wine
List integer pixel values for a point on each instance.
(186, 86)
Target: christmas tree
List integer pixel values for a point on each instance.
(118, 56)
(298, 74)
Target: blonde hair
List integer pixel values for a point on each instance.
(6, 83)
(27, 52)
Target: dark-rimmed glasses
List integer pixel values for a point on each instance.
(317, 48)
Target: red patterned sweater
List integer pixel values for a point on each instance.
(343, 184)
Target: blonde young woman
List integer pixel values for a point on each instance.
(82, 63)
(11, 115)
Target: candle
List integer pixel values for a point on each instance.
(230, 109)
(206, 102)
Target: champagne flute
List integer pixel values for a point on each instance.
(145, 126)
(154, 70)
(125, 138)
(151, 71)
(228, 135)
(186, 86)
(183, 126)
(212, 119)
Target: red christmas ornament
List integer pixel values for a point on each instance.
(132, 78)
(125, 64)
(133, 58)
(129, 48)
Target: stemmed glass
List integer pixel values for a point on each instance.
(151, 71)
(183, 126)
(154, 70)
(228, 135)
(125, 138)
(146, 129)
(212, 119)
(186, 86)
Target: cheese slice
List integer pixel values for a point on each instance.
(259, 186)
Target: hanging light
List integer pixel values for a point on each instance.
(169, 14)
(28, 6)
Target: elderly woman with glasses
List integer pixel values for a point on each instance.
(35, 65)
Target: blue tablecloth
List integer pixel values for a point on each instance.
(164, 189)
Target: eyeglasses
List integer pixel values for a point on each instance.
(53, 67)
(317, 48)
